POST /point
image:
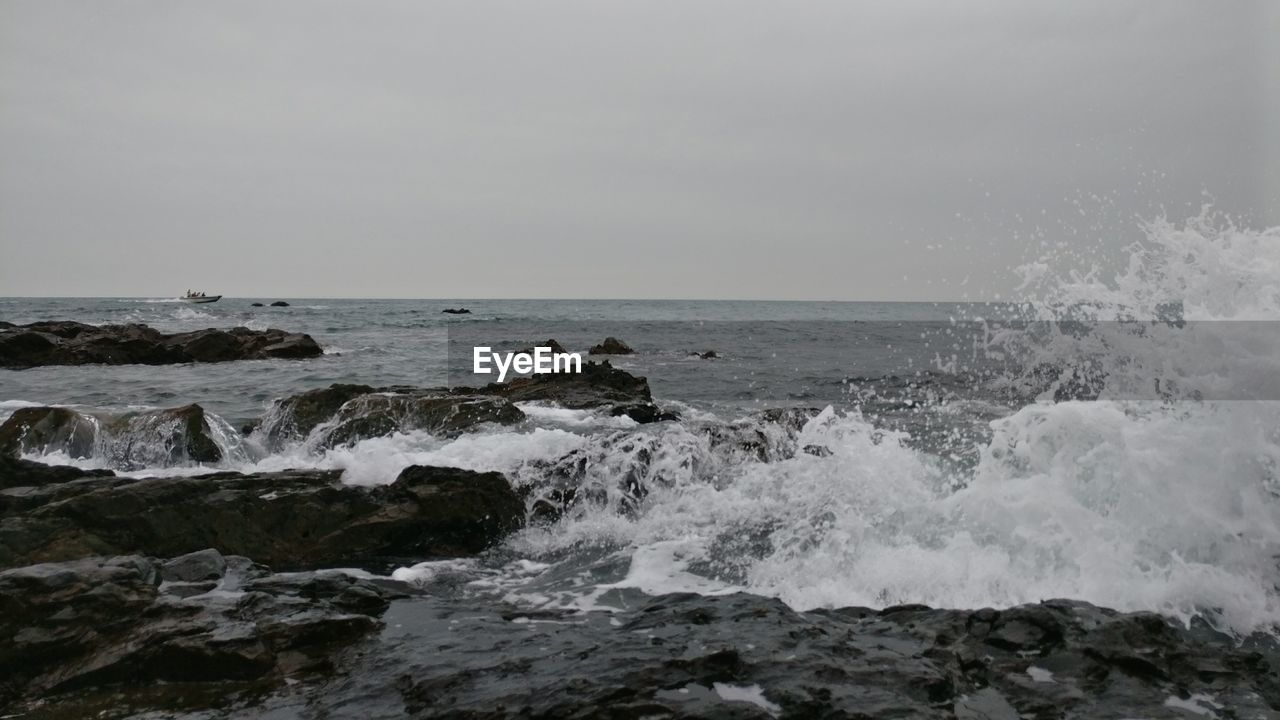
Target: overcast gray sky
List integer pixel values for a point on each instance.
(726, 149)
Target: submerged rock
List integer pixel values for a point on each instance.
(456, 311)
(255, 304)
(293, 519)
(279, 303)
(99, 626)
(164, 437)
(611, 346)
(72, 343)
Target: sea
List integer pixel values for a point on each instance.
(1072, 442)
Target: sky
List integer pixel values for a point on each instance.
(658, 149)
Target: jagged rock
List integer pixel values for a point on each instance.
(72, 343)
(550, 344)
(15, 472)
(198, 566)
(357, 412)
(611, 346)
(456, 311)
(598, 386)
(293, 519)
(708, 355)
(279, 303)
(163, 437)
(44, 429)
(745, 656)
(107, 623)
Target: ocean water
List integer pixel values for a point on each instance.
(947, 459)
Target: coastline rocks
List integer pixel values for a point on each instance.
(255, 304)
(343, 414)
(611, 346)
(346, 414)
(456, 311)
(73, 343)
(708, 355)
(550, 344)
(289, 520)
(744, 656)
(82, 627)
(598, 386)
(279, 303)
(17, 472)
(170, 436)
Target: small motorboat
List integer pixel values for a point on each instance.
(191, 297)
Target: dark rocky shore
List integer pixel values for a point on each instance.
(73, 343)
(217, 596)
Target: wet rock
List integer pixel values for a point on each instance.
(294, 519)
(201, 565)
(41, 430)
(72, 343)
(456, 311)
(164, 437)
(279, 303)
(767, 436)
(708, 355)
(611, 346)
(350, 413)
(685, 655)
(550, 344)
(598, 386)
(99, 624)
(255, 304)
(16, 472)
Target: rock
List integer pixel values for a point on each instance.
(107, 623)
(72, 343)
(745, 656)
(611, 346)
(708, 355)
(172, 436)
(598, 386)
(15, 472)
(351, 413)
(289, 520)
(456, 311)
(201, 565)
(255, 304)
(552, 345)
(41, 430)
(279, 303)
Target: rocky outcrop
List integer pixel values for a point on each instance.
(550, 344)
(745, 656)
(294, 519)
(170, 436)
(349, 413)
(279, 303)
(15, 472)
(456, 311)
(72, 343)
(751, 657)
(123, 624)
(611, 346)
(343, 414)
(598, 386)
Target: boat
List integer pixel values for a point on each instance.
(191, 297)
